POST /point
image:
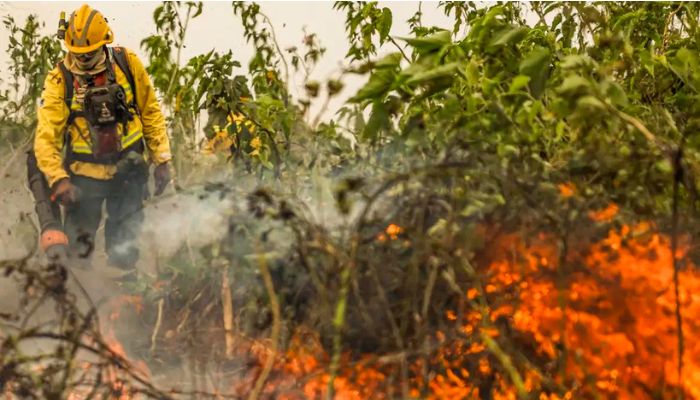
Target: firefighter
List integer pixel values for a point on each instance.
(98, 123)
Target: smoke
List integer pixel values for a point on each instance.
(17, 230)
(192, 218)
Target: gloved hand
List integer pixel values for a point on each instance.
(162, 177)
(65, 192)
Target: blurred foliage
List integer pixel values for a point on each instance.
(548, 111)
(364, 22)
(175, 84)
(31, 57)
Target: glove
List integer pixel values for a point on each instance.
(161, 177)
(65, 192)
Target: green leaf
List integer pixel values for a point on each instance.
(590, 104)
(435, 86)
(536, 66)
(198, 11)
(437, 228)
(560, 129)
(685, 65)
(442, 71)
(535, 61)
(475, 207)
(664, 166)
(378, 120)
(616, 94)
(573, 84)
(631, 16)
(426, 44)
(385, 22)
(518, 83)
(379, 83)
(556, 21)
(157, 14)
(389, 61)
(507, 150)
(472, 72)
(512, 34)
(577, 61)
(591, 14)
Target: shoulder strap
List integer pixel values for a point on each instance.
(68, 99)
(69, 86)
(68, 81)
(122, 60)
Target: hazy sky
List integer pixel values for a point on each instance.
(218, 28)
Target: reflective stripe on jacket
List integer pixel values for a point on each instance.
(53, 114)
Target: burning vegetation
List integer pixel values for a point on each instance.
(519, 316)
(504, 210)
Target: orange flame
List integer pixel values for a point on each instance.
(567, 189)
(604, 215)
(391, 232)
(608, 323)
(604, 319)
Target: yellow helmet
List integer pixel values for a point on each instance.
(87, 31)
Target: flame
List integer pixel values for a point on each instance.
(604, 215)
(567, 189)
(391, 232)
(301, 361)
(119, 390)
(608, 322)
(597, 322)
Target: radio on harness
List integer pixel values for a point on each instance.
(105, 108)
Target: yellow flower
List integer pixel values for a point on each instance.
(220, 143)
(240, 120)
(256, 143)
(237, 118)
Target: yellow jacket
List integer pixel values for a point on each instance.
(53, 116)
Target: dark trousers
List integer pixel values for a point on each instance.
(124, 205)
